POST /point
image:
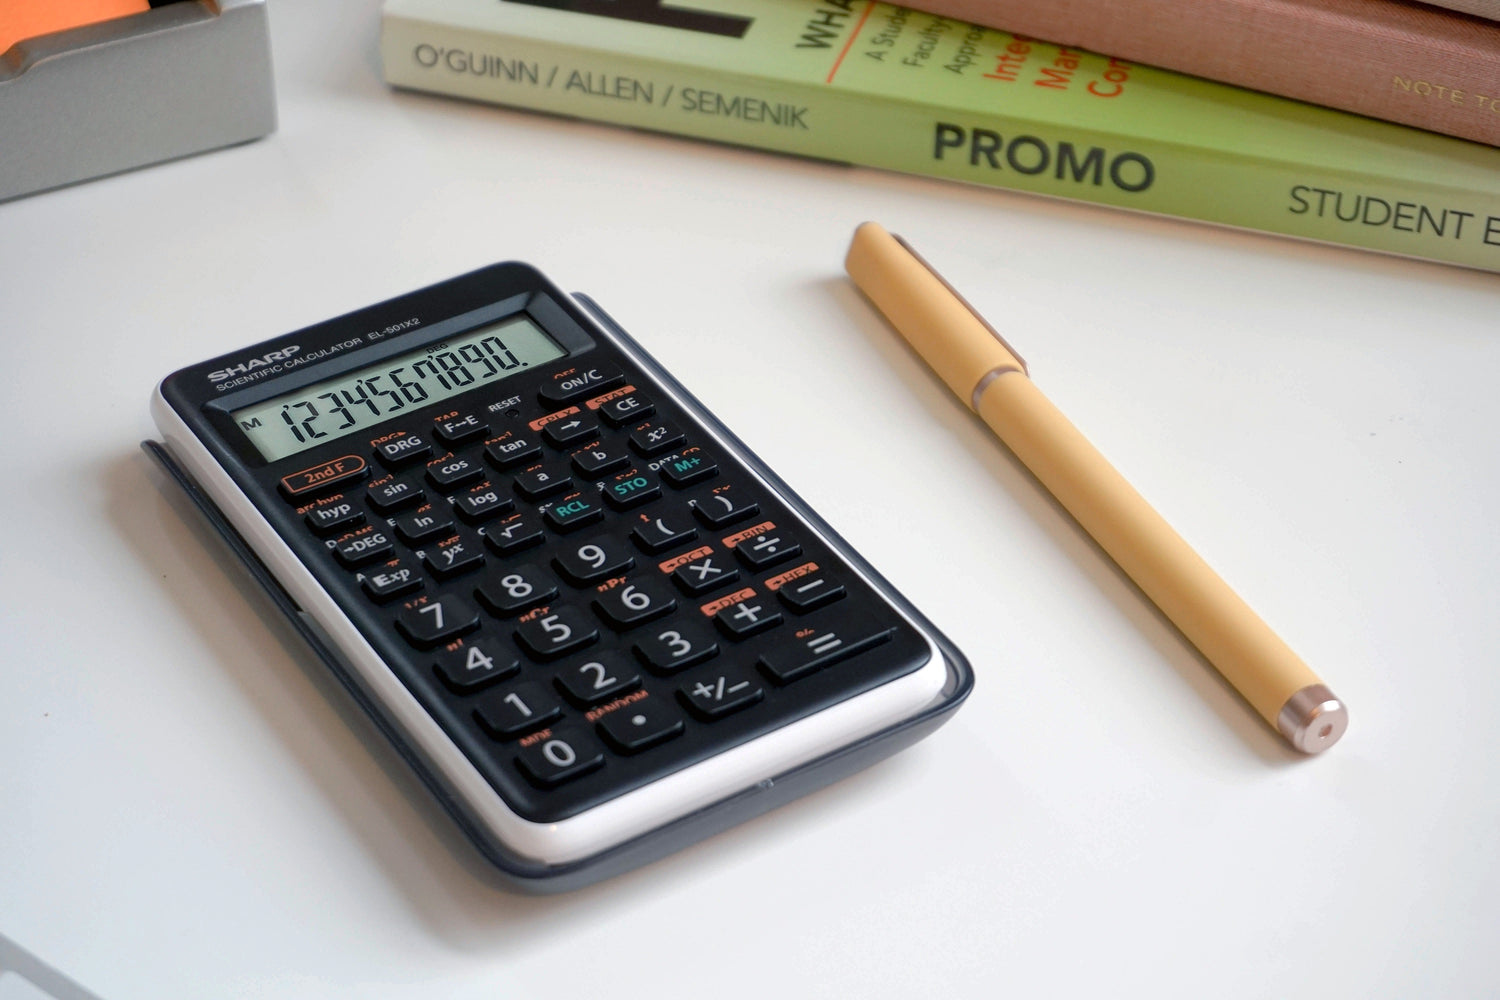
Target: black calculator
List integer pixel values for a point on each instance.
(590, 618)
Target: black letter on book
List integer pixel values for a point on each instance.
(1148, 172)
(986, 144)
(1067, 160)
(948, 137)
(653, 12)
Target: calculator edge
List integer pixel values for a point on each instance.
(197, 471)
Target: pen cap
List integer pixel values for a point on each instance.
(939, 325)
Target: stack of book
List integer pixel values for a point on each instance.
(937, 92)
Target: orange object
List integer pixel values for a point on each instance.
(23, 19)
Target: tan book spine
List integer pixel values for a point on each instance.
(1401, 62)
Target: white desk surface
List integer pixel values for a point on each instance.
(190, 808)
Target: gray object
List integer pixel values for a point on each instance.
(164, 83)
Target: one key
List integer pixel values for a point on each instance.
(514, 533)
(630, 489)
(448, 474)
(461, 429)
(633, 603)
(565, 754)
(596, 559)
(687, 469)
(481, 504)
(654, 438)
(597, 679)
(470, 666)
(747, 618)
(597, 460)
(520, 709)
(513, 589)
(766, 550)
(510, 450)
(723, 508)
(364, 546)
(539, 483)
(722, 693)
(659, 534)
(811, 649)
(640, 725)
(623, 409)
(555, 634)
(454, 556)
(573, 512)
(809, 593)
(702, 575)
(334, 516)
(437, 620)
(580, 383)
(402, 449)
(389, 495)
(420, 525)
(390, 581)
(674, 649)
(310, 482)
(561, 433)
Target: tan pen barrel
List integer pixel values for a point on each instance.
(987, 375)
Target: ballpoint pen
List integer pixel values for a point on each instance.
(983, 371)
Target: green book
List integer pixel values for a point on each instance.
(882, 86)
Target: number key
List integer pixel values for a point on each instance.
(595, 559)
(515, 710)
(468, 666)
(597, 679)
(562, 756)
(557, 633)
(513, 589)
(674, 649)
(436, 620)
(633, 603)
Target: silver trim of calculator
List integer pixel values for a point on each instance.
(610, 823)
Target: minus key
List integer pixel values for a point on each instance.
(808, 593)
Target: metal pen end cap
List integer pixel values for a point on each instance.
(1312, 720)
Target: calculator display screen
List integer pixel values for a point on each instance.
(327, 410)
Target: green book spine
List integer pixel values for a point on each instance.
(882, 86)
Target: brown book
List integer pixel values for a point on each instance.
(1479, 8)
(1402, 62)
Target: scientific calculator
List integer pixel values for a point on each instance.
(591, 619)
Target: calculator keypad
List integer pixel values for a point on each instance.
(587, 590)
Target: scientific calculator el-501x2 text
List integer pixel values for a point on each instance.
(591, 619)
